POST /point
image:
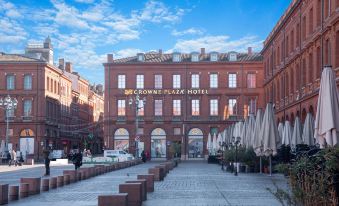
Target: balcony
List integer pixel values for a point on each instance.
(10, 119)
(213, 118)
(121, 119)
(27, 118)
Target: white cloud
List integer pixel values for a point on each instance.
(126, 53)
(9, 9)
(11, 32)
(85, 1)
(190, 31)
(221, 43)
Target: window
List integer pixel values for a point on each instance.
(177, 131)
(213, 107)
(140, 57)
(140, 81)
(176, 81)
(177, 107)
(141, 108)
(252, 106)
(176, 57)
(233, 57)
(214, 57)
(27, 108)
(195, 107)
(121, 107)
(195, 80)
(195, 57)
(158, 107)
(232, 80)
(121, 81)
(214, 80)
(251, 80)
(158, 81)
(10, 82)
(232, 106)
(311, 22)
(28, 82)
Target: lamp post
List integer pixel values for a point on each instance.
(8, 104)
(236, 142)
(139, 104)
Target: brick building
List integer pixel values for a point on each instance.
(187, 96)
(53, 103)
(304, 40)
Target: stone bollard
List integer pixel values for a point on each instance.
(24, 190)
(34, 184)
(163, 171)
(166, 167)
(66, 179)
(134, 193)
(150, 181)
(3, 194)
(53, 183)
(45, 185)
(120, 199)
(60, 181)
(156, 173)
(72, 174)
(143, 187)
(13, 192)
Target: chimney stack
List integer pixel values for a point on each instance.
(202, 51)
(160, 52)
(69, 67)
(249, 49)
(62, 63)
(109, 58)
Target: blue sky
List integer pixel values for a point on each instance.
(84, 31)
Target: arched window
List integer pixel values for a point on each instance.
(121, 139)
(195, 143)
(158, 143)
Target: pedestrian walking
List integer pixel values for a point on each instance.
(13, 158)
(143, 156)
(47, 160)
(77, 159)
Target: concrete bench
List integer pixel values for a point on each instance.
(24, 190)
(150, 181)
(120, 199)
(72, 175)
(134, 193)
(156, 172)
(34, 184)
(13, 192)
(45, 185)
(3, 194)
(143, 187)
(53, 182)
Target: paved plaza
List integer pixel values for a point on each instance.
(191, 183)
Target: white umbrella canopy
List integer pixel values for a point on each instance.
(327, 116)
(249, 131)
(2, 148)
(257, 141)
(219, 141)
(209, 143)
(297, 133)
(243, 133)
(214, 143)
(280, 132)
(287, 134)
(308, 131)
(269, 132)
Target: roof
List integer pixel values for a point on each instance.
(16, 58)
(155, 57)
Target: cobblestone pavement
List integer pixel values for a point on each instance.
(190, 184)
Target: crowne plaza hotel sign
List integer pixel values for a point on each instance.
(165, 91)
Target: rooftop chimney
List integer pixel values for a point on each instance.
(249, 49)
(69, 67)
(202, 51)
(160, 52)
(110, 58)
(62, 64)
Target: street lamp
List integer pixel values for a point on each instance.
(8, 104)
(139, 104)
(236, 142)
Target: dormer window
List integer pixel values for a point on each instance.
(141, 57)
(214, 57)
(176, 57)
(233, 56)
(195, 57)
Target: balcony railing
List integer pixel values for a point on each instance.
(27, 118)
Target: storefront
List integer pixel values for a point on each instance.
(195, 143)
(158, 143)
(121, 139)
(27, 142)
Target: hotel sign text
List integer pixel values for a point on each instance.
(165, 91)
